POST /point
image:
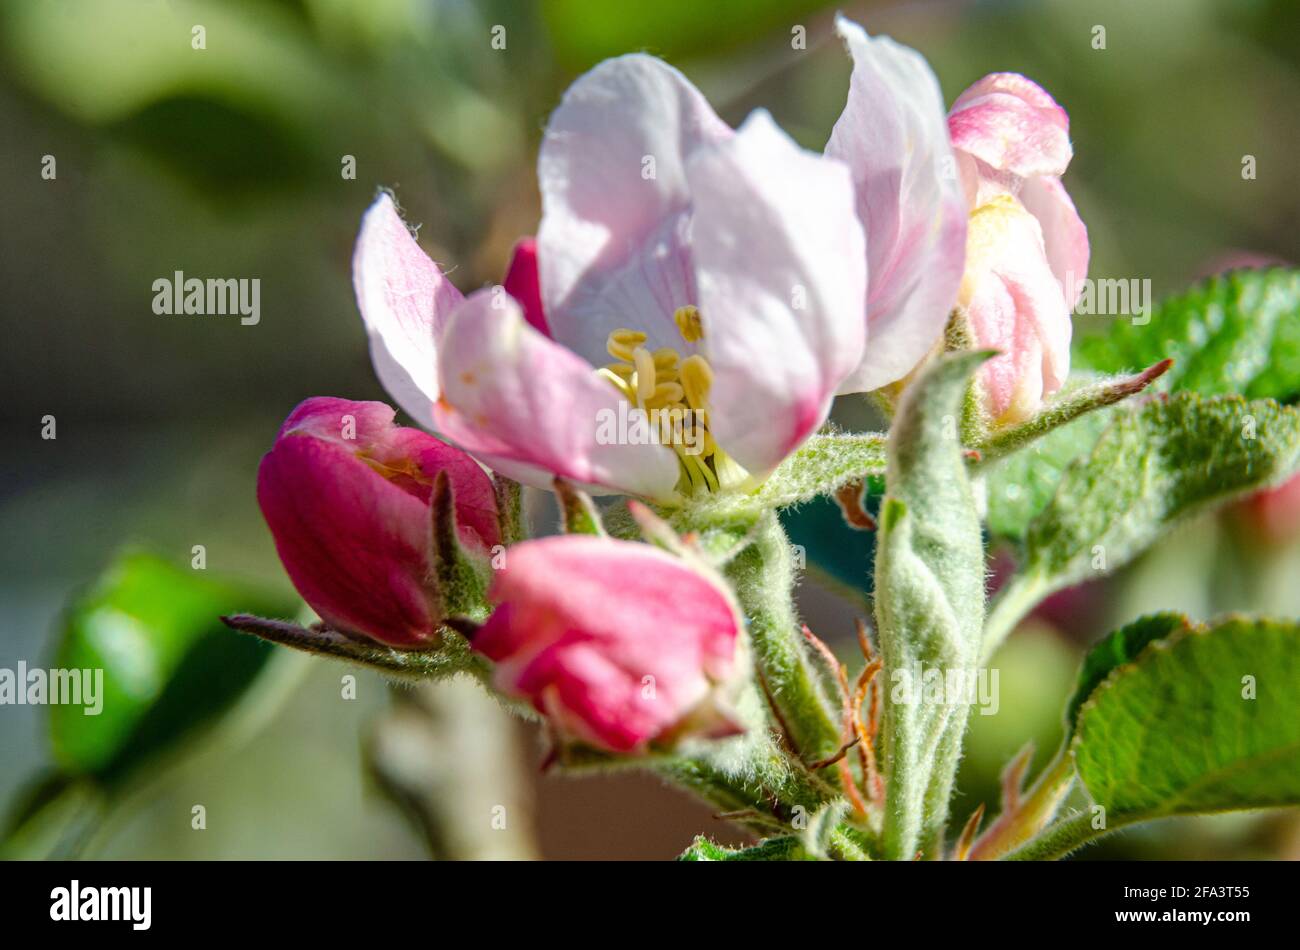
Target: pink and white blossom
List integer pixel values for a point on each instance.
(619, 644)
(661, 223)
(1027, 249)
(968, 211)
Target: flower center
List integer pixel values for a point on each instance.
(673, 393)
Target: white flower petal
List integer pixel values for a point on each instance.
(404, 300)
(893, 134)
(615, 199)
(782, 275)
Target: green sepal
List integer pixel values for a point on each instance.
(460, 575)
(1067, 407)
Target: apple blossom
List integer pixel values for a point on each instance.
(685, 270)
(1027, 249)
(346, 495)
(970, 212)
(618, 643)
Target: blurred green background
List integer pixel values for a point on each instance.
(227, 161)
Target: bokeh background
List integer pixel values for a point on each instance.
(226, 162)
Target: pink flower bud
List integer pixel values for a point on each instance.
(1026, 247)
(346, 494)
(619, 644)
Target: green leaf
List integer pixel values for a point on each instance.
(929, 596)
(927, 475)
(1029, 812)
(1236, 333)
(1114, 651)
(1021, 485)
(1149, 470)
(168, 664)
(1204, 720)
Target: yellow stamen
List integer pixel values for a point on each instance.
(675, 392)
(696, 470)
(689, 323)
(665, 394)
(621, 343)
(697, 380)
(666, 362)
(622, 370)
(645, 373)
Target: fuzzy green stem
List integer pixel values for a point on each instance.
(1066, 409)
(763, 577)
(764, 792)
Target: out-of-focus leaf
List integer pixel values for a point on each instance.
(583, 32)
(103, 60)
(846, 555)
(231, 117)
(1204, 720)
(169, 665)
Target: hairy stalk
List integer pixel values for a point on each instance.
(756, 786)
(763, 577)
